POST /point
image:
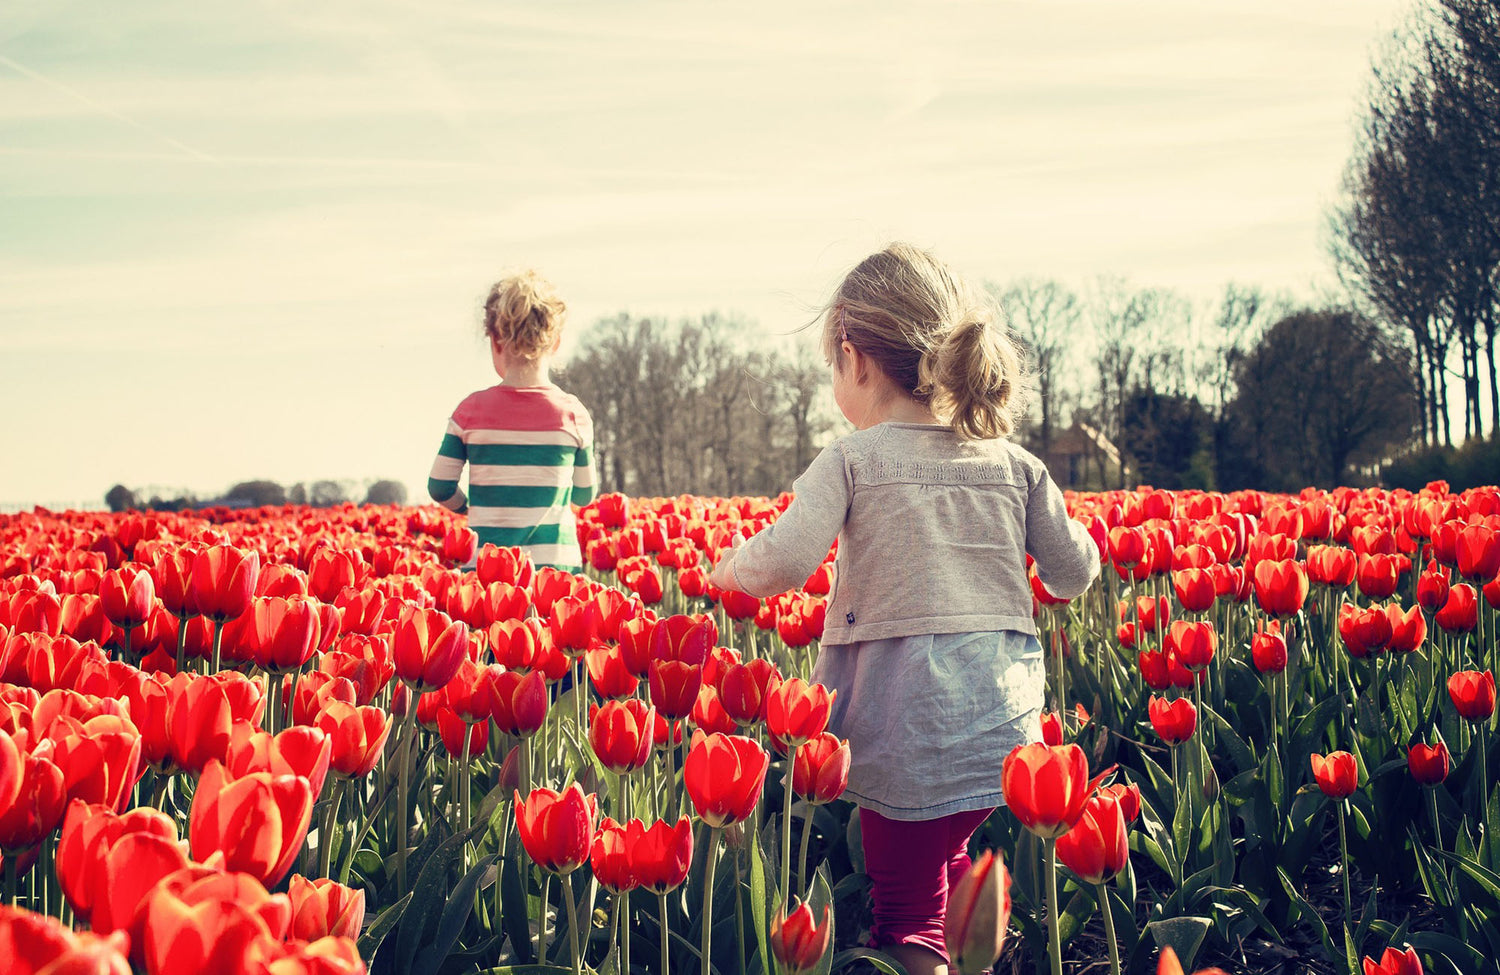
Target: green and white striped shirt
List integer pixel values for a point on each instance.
(530, 451)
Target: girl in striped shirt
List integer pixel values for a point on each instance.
(528, 444)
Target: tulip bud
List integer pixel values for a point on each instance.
(978, 915)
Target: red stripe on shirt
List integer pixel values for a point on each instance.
(511, 408)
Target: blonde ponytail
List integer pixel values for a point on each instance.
(525, 314)
(932, 337)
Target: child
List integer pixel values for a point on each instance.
(529, 444)
(929, 641)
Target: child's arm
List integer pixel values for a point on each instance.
(782, 555)
(585, 476)
(442, 482)
(1067, 560)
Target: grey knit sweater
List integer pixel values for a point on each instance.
(932, 531)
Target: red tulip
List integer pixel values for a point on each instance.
(674, 687)
(1167, 964)
(1194, 643)
(286, 632)
(356, 736)
(1174, 721)
(723, 775)
(332, 571)
(221, 923)
(1154, 669)
(557, 829)
(222, 582)
(128, 595)
(1408, 628)
(1378, 575)
(1473, 694)
(299, 750)
(1046, 786)
(1268, 649)
(1478, 552)
(798, 942)
(797, 711)
(1394, 962)
(1281, 587)
(1331, 565)
(978, 915)
(1195, 589)
(428, 647)
(1097, 847)
(257, 821)
(315, 690)
(1460, 613)
(1428, 763)
(1337, 774)
(102, 762)
(462, 738)
(33, 944)
(96, 868)
(1364, 630)
(685, 638)
(458, 546)
(1432, 587)
(661, 854)
(12, 770)
(607, 670)
(37, 808)
(1129, 798)
(609, 857)
(517, 702)
(1127, 546)
(744, 687)
(508, 565)
(199, 720)
(821, 771)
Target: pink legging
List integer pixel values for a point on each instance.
(912, 866)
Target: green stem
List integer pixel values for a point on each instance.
(325, 833)
(624, 902)
(403, 789)
(218, 641)
(1344, 866)
(567, 891)
(1109, 930)
(665, 940)
(786, 825)
(182, 625)
(708, 897)
(541, 919)
(739, 915)
(802, 857)
(1432, 810)
(1054, 934)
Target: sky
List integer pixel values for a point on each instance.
(251, 240)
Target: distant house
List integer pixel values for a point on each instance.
(1081, 456)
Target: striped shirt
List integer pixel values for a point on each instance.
(530, 451)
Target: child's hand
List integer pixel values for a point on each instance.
(722, 575)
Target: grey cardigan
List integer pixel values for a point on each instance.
(933, 533)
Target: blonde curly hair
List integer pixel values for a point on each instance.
(525, 314)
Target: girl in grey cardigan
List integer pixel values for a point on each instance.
(929, 641)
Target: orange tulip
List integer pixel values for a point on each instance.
(257, 821)
(798, 941)
(323, 907)
(1046, 786)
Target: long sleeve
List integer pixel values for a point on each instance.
(782, 555)
(442, 482)
(1067, 561)
(585, 475)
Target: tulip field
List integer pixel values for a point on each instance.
(290, 740)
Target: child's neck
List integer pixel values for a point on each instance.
(533, 373)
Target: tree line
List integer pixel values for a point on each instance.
(256, 493)
(1249, 391)
(1416, 236)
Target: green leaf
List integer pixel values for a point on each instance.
(854, 838)
(1184, 934)
(429, 897)
(1308, 912)
(1240, 753)
(528, 969)
(1487, 879)
(455, 915)
(820, 897)
(514, 910)
(759, 897)
(369, 942)
(1080, 908)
